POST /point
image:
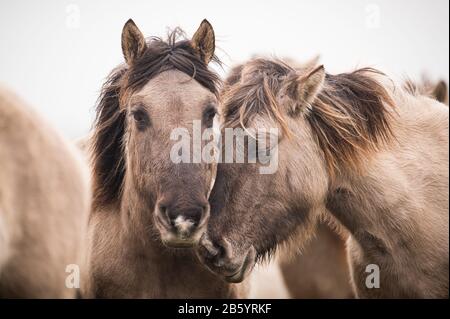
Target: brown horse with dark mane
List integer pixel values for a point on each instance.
(145, 206)
(353, 149)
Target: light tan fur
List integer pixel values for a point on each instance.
(399, 207)
(44, 200)
(319, 270)
(266, 282)
(436, 90)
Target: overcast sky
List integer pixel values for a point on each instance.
(56, 53)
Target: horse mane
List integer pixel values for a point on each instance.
(107, 147)
(244, 99)
(350, 117)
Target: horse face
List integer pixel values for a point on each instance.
(163, 119)
(252, 212)
(171, 104)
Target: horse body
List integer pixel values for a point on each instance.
(44, 200)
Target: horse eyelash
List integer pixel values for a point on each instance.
(210, 112)
(144, 122)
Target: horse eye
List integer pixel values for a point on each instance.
(209, 114)
(138, 116)
(141, 118)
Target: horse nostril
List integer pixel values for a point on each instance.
(218, 252)
(209, 248)
(162, 208)
(193, 214)
(226, 252)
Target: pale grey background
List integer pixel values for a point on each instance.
(56, 53)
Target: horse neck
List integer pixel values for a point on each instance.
(397, 210)
(401, 180)
(373, 209)
(394, 227)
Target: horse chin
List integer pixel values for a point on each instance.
(173, 239)
(245, 269)
(179, 243)
(223, 261)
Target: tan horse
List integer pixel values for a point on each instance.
(436, 90)
(353, 148)
(44, 201)
(321, 269)
(146, 206)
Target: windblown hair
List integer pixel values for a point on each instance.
(350, 117)
(251, 89)
(435, 90)
(107, 147)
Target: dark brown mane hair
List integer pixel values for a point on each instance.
(350, 117)
(107, 149)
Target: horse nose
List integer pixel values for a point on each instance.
(181, 224)
(183, 220)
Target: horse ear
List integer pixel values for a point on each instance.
(304, 88)
(440, 92)
(204, 41)
(311, 63)
(133, 42)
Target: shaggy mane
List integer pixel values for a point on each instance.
(350, 117)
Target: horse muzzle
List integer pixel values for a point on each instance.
(181, 230)
(220, 258)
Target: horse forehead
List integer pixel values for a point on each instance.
(174, 87)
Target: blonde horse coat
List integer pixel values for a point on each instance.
(404, 202)
(44, 200)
